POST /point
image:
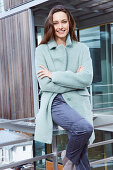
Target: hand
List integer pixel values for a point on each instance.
(44, 73)
(80, 69)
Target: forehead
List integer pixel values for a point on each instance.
(59, 16)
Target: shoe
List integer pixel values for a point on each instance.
(67, 164)
(74, 168)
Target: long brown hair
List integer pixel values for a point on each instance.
(49, 28)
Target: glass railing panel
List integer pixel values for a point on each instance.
(102, 96)
(103, 166)
(102, 152)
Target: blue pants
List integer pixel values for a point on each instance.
(79, 131)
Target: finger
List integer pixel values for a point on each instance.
(40, 74)
(42, 66)
(40, 71)
(43, 76)
(78, 70)
(81, 68)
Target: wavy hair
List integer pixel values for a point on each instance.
(49, 32)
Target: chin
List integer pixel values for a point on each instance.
(61, 36)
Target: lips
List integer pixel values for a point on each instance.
(61, 31)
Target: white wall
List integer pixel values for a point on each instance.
(19, 154)
(15, 154)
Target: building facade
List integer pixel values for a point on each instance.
(21, 30)
(21, 25)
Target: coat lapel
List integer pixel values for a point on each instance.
(57, 58)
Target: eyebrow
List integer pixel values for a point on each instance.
(61, 20)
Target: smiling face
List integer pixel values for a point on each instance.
(61, 25)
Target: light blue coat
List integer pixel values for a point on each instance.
(63, 62)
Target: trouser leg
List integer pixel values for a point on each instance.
(79, 129)
(84, 162)
(80, 135)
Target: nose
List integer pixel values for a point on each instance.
(60, 25)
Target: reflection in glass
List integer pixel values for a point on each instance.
(99, 40)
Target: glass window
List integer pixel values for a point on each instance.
(24, 148)
(99, 40)
(39, 35)
(91, 37)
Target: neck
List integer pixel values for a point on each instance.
(61, 41)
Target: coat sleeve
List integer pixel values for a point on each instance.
(46, 83)
(78, 80)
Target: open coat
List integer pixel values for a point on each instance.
(63, 62)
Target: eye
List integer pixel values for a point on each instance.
(64, 21)
(54, 23)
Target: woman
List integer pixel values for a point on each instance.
(64, 70)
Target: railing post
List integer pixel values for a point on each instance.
(34, 154)
(54, 150)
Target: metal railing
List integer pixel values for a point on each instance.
(54, 154)
(21, 124)
(105, 92)
(28, 125)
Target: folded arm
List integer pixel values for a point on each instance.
(77, 80)
(46, 83)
